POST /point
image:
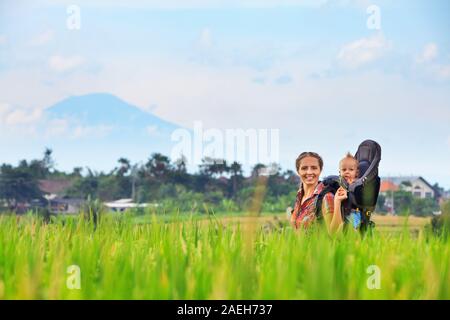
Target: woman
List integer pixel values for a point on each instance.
(309, 165)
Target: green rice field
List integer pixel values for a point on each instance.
(215, 258)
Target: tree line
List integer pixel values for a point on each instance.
(217, 185)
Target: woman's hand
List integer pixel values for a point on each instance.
(341, 195)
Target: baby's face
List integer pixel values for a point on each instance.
(348, 170)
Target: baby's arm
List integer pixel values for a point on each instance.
(332, 211)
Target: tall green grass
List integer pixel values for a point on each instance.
(195, 259)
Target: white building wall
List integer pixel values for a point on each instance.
(421, 189)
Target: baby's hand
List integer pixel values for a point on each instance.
(341, 195)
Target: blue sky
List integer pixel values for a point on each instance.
(312, 69)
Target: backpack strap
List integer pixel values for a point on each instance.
(345, 205)
(318, 205)
(346, 208)
(319, 202)
(366, 223)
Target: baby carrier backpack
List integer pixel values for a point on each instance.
(363, 192)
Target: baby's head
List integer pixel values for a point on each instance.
(348, 168)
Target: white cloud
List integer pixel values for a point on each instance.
(3, 39)
(443, 71)
(31, 123)
(13, 116)
(99, 131)
(56, 128)
(427, 66)
(283, 80)
(18, 123)
(23, 117)
(227, 98)
(61, 64)
(363, 51)
(4, 111)
(43, 38)
(429, 53)
(206, 40)
(186, 92)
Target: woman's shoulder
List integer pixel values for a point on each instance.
(321, 188)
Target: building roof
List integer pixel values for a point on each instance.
(127, 203)
(54, 186)
(70, 201)
(398, 180)
(388, 186)
(122, 201)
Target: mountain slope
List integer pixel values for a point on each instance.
(104, 109)
(97, 129)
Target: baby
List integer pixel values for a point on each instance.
(348, 170)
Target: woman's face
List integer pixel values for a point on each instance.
(309, 171)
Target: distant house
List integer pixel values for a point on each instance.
(65, 206)
(124, 204)
(54, 190)
(418, 186)
(387, 185)
(223, 180)
(55, 187)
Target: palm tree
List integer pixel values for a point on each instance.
(258, 169)
(125, 166)
(236, 171)
(159, 167)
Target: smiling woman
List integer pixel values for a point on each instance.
(309, 204)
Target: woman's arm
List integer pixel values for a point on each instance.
(294, 213)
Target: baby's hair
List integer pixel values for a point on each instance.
(349, 156)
